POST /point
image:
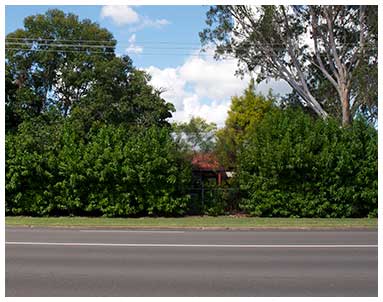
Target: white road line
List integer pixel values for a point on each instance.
(196, 245)
(131, 231)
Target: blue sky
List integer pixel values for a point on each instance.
(182, 30)
(163, 40)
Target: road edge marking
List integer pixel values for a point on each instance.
(195, 245)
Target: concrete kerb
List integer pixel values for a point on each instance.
(201, 228)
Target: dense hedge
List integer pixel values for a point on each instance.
(290, 165)
(50, 170)
(293, 165)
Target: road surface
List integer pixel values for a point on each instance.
(94, 262)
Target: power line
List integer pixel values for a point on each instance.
(30, 44)
(201, 54)
(58, 50)
(138, 42)
(112, 52)
(60, 45)
(101, 41)
(63, 40)
(71, 46)
(91, 46)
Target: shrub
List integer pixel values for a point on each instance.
(116, 171)
(294, 165)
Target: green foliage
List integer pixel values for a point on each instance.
(31, 160)
(121, 95)
(221, 200)
(291, 165)
(337, 77)
(116, 173)
(85, 132)
(46, 61)
(246, 111)
(143, 171)
(195, 136)
(47, 68)
(87, 135)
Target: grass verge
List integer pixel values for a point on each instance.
(194, 222)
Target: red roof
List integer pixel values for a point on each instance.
(205, 161)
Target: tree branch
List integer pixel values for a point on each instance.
(341, 69)
(317, 54)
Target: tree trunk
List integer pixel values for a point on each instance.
(314, 104)
(346, 110)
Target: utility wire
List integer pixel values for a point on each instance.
(29, 47)
(99, 41)
(90, 46)
(112, 52)
(201, 54)
(58, 50)
(59, 45)
(136, 42)
(63, 40)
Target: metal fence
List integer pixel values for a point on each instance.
(214, 200)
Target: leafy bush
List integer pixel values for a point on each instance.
(293, 165)
(136, 173)
(116, 172)
(30, 165)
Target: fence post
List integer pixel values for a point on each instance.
(202, 193)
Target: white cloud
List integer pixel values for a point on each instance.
(126, 15)
(215, 112)
(146, 22)
(132, 39)
(213, 79)
(203, 87)
(120, 14)
(170, 81)
(154, 23)
(133, 48)
(161, 22)
(200, 87)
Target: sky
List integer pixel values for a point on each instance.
(164, 41)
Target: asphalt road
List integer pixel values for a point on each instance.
(74, 262)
